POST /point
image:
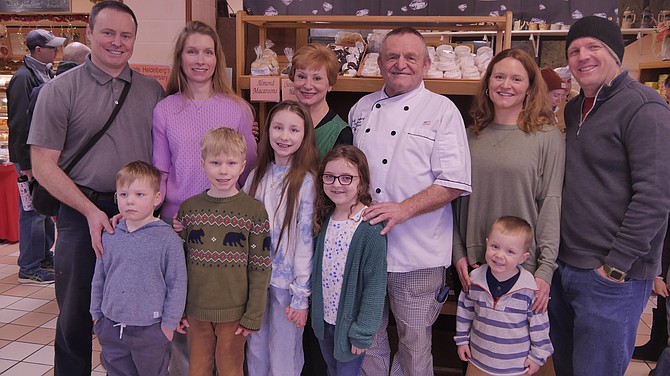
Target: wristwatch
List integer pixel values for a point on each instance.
(614, 273)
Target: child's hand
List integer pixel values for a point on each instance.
(531, 365)
(298, 316)
(355, 350)
(243, 331)
(116, 219)
(176, 225)
(183, 324)
(255, 130)
(169, 333)
(464, 352)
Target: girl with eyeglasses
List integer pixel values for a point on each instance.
(349, 274)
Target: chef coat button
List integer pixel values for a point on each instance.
(384, 161)
(378, 105)
(378, 190)
(367, 130)
(406, 108)
(392, 133)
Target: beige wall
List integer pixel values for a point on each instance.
(159, 23)
(81, 6)
(205, 11)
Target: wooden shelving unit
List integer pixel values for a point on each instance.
(500, 28)
(651, 70)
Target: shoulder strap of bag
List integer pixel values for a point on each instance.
(98, 136)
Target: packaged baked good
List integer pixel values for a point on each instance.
(266, 60)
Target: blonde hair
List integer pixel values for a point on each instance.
(223, 140)
(536, 112)
(303, 162)
(139, 170)
(178, 82)
(516, 226)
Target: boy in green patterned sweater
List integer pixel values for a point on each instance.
(227, 239)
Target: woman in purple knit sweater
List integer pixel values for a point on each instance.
(199, 98)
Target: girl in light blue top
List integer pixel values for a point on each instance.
(284, 183)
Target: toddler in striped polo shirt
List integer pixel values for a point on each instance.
(497, 331)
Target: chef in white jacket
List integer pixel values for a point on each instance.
(418, 153)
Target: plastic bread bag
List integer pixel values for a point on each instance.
(347, 38)
(288, 51)
(266, 60)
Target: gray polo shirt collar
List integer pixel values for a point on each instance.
(102, 77)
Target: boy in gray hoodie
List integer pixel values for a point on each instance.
(138, 291)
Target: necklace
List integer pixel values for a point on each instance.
(198, 108)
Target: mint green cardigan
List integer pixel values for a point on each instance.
(363, 290)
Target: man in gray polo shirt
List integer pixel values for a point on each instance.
(70, 110)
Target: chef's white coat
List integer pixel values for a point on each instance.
(412, 141)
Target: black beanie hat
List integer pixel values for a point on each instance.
(599, 28)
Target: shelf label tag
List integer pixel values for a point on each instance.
(287, 90)
(264, 89)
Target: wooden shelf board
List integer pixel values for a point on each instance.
(371, 84)
(655, 65)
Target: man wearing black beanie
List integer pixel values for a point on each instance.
(616, 199)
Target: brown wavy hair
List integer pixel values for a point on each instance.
(302, 162)
(324, 206)
(536, 112)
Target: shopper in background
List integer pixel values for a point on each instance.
(314, 71)
(658, 340)
(556, 90)
(36, 231)
(199, 99)
(571, 91)
(74, 54)
(518, 158)
(417, 149)
(65, 118)
(660, 326)
(616, 199)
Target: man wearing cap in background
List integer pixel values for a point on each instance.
(555, 91)
(36, 231)
(571, 91)
(616, 199)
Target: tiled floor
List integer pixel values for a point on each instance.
(28, 321)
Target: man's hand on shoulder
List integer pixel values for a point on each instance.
(392, 213)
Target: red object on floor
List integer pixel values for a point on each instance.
(9, 204)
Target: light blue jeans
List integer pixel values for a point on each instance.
(276, 349)
(36, 237)
(594, 321)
